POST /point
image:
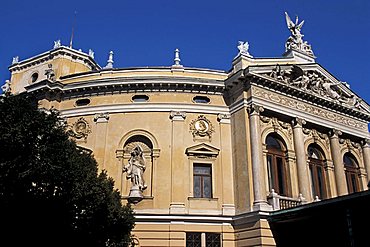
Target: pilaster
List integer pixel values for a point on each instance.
(178, 196)
(101, 121)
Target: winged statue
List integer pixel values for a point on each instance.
(295, 41)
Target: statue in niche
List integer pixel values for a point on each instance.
(135, 172)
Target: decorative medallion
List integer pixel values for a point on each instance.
(80, 129)
(201, 127)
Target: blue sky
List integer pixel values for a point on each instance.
(146, 33)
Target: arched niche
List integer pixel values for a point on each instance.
(149, 146)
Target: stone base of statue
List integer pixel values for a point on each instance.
(135, 195)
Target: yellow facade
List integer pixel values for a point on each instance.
(111, 111)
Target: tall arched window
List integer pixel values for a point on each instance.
(317, 170)
(352, 173)
(276, 165)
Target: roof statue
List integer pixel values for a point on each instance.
(295, 41)
(243, 48)
(91, 53)
(6, 87)
(57, 44)
(15, 60)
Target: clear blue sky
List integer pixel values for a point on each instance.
(146, 33)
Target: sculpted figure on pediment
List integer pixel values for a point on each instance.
(314, 82)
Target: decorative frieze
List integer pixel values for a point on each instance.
(307, 108)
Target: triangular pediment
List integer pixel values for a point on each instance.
(202, 149)
(310, 82)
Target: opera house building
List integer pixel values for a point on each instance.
(206, 156)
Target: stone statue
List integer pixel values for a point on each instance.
(135, 172)
(295, 41)
(57, 44)
(15, 60)
(50, 74)
(91, 53)
(243, 48)
(6, 87)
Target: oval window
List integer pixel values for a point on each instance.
(201, 99)
(82, 102)
(34, 77)
(140, 98)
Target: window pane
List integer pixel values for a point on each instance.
(281, 177)
(313, 181)
(213, 240)
(207, 187)
(354, 183)
(270, 172)
(202, 170)
(193, 239)
(197, 190)
(320, 180)
(273, 143)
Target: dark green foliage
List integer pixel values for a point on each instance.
(51, 193)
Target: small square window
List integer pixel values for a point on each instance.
(193, 239)
(213, 239)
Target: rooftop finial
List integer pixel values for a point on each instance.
(177, 60)
(295, 41)
(243, 48)
(110, 61)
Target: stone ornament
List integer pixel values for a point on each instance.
(315, 83)
(80, 129)
(201, 127)
(57, 44)
(295, 41)
(243, 48)
(135, 172)
(15, 60)
(50, 74)
(6, 87)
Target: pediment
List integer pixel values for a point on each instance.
(202, 149)
(310, 82)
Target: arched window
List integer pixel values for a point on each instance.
(276, 165)
(316, 163)
(352, 173)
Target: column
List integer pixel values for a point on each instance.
(300, 152)
(259, 186)
(101, 120)
(366, 154)
(177, 205)
(340, 176)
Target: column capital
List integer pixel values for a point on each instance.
(101, 117)
(298, 122)
(254, 109)
(365, 143)
(177, 115)
(335, 133)
(223, 118)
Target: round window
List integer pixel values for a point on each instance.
(34, 77)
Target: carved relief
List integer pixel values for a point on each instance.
(316, 135)
(315, 83)
(201, 128)
(307, 108)
(80, 129)
(277, 125)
